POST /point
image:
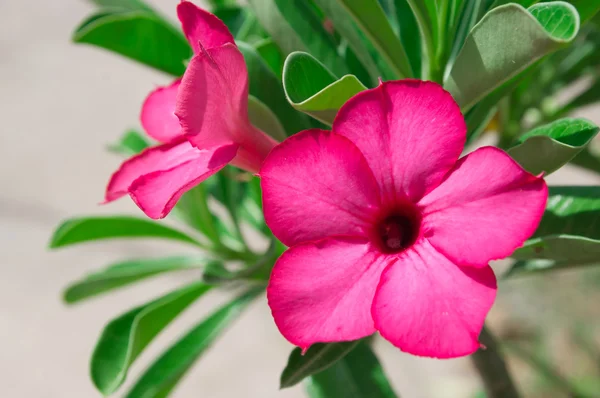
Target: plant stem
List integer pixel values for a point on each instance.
(492, 368)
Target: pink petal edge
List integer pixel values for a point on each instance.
(486, 207)
(317, 184)
(200, 26)
(322, 291)
(158, 113)
(428, 306)
(411, 132)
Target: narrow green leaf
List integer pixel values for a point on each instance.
(131, 143)
(275, 23)
(139, 35)
(130, 5)
(505, 43)
(313, 89)
(346, 27)
(125, 337)
(164, 374)
(270, 53)
(263, 118)
(568, 234)
(317, 358)
(410, 34)
(125, 273)
(369, 15)
(587, 8)
(89, 229)
(547, 148)
(267, 88)
(358, 375)
(309, 28)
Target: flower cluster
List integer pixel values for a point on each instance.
(389, 229)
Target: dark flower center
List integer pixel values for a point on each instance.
(398, 229)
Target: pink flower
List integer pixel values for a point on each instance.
(389, 230)
(201, 121)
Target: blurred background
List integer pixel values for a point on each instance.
(61, 104)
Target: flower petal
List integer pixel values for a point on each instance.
(200, 26)
(161, 157)
(411, 133)
(486, 207)
(158, 113)
(317, 184)
(157, 177)
(322, 291)
(213, 97)
(426, 305)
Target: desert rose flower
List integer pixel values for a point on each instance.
(388, 229)
(211, 100)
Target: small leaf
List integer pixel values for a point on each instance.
(568, 234)
(162, 376)
(524, 36)
(369, 15)
(346, 27)
(548, 148)
(125, 337)
(140, 35)
(131, 143)
(132, 5)
(90, 229)
(266, 87)
(313, 89)
(358, 375)
(125, 273)
(317, 358)
(270, 53)
(263, 118)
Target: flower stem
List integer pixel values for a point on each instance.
(491, 366)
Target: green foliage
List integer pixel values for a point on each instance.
(127, 272)
(313, 89)
(358, 375)
(504, 43)
(126, 336)
(160, 378)
(131, 143)
(568, 235)
(139, 34)
(318, 358)
(91, 229)
(547, 148)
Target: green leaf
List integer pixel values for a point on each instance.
(358, 375)
(505, 43)
(164, 374)
(313, 89)
(369, 15)
(270, 53)
(139, 35)
(346, 27)
(266, 87)
(587, 160)
(274, 22)
(89, 229)
(125, 337)
(125, 273)
(547, 148)
(309, 27)
(318, 357)
(130, 5)
(409, 34)
(586, 8)
(568, 234)
(263, 118)
(131, 143)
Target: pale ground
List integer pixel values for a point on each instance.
(60, 105)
